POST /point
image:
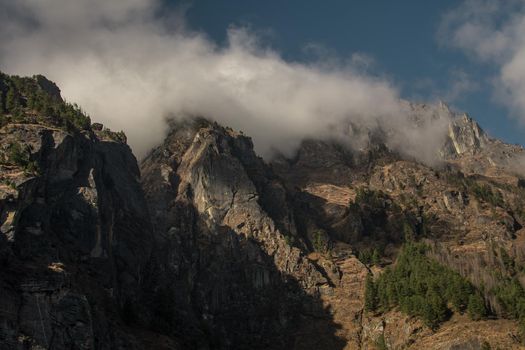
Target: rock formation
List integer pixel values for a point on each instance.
(208, 246)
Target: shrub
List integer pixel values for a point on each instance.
(17, 155)
(21, 156)
(369, 256)
(485, 193)
(373, 199)
(380, 343)
(289, 240)
(319, 241)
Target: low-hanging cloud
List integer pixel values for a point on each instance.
(129, 67)
(493, 32)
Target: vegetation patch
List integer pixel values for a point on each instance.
(370, 256)
(511, 296)
(37, 100)
(483, 191)
(422, 287)
(384, 221)
(319, 241)
(19, 155)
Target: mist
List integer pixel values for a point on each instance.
(493, 32)
(131, 68)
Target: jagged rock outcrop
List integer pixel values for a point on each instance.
(466, 146)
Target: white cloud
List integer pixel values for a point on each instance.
(493, 31)
(130, 69)
(460, 84)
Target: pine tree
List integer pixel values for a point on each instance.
(458, 292)
(376, 258)
(10, 99)
(370, 294)
(434, 310)
(476, 307)
(365, 256)
(408, 232)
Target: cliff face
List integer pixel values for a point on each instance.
(76, 238)
(467, 146)
(213, 248)
(230, 240)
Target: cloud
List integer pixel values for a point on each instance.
(130, 65)
(493, 32)
(458, 85)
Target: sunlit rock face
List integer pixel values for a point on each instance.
(230, 239)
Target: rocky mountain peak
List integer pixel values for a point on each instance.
(48, 86)
(205, 245)
(466, 137)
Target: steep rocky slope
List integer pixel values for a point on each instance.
(231, 241)
(469, 209)
(76, 235)
(210, 247)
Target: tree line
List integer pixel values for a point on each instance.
(422, 287)
(24, 99)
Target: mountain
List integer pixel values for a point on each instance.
(205, 245)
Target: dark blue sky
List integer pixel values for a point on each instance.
(401, 37)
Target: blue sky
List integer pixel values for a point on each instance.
(400, 36)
